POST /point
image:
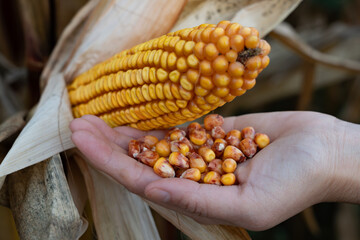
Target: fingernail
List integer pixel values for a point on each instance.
(159, 195)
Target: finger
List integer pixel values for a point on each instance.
(136, 133)
(79, 124)
(116, 137)
(199, 201)
(127, 171)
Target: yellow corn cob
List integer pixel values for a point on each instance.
(172, 79)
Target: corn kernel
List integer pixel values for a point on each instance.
(229, 165)
(179, 160)
(148, 157)
(191, 174)
(228, 179)
(216, 166)
(212, 178)
(262, 140)
(210, 51)
(207, 154)
(248, 147)
(163, 168)
(220, 64)
(234, 153)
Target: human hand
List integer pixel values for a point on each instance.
(298, 169)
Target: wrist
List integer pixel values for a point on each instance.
(345, 173)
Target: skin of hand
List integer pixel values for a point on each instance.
(312, 158)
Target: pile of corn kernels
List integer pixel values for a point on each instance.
(203, 154)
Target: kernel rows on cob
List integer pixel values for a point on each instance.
(172, 79)
(210, 156)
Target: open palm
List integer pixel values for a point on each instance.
(281, 180)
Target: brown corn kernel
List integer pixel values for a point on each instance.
(234, 153)
(134, 148)
(179, 160)
(193, 126)
(163, 148)
(219, 146)
(248, 132)
(218, 132)
(198, 136)
(196, 161)
(233, 137)
(148, 157)
(148, 141)
(192, 174)
(216, 165)
(212, 177)
(228, 179)
(179, 146)
(207, 154)
(262, 140)
(163, 168)
(212, 120)
(177, 134)
(248, 147)
(229, 165)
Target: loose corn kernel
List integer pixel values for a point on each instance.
(179, 160)
(248, 132)
(198, 136)
(219, 146)
(193, 126)
(217, 132)
(134, 148)
(177, 134)
(148, 141)
(234, 153)
(192, 174)
(248, 147)
(178, 146)
(148, 157)
(163, 148)
(233, 137)
(207, 154)
(229, 165)
(163, 168)
(212, 120)
(228, 179)
(196, 161)
(261, 140)
(212, 177)
(216, 166)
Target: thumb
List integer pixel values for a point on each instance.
(200, 201)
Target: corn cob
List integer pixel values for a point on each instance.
(172, 79)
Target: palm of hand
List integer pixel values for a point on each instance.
(274, 185)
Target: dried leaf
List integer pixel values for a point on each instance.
(287, 35)
(264, 15)
(197, 231)
(42, 205)
(47, 133)
(124, 216)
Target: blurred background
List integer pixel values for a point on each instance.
(303, 75)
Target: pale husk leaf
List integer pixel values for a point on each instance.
(117, 213)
